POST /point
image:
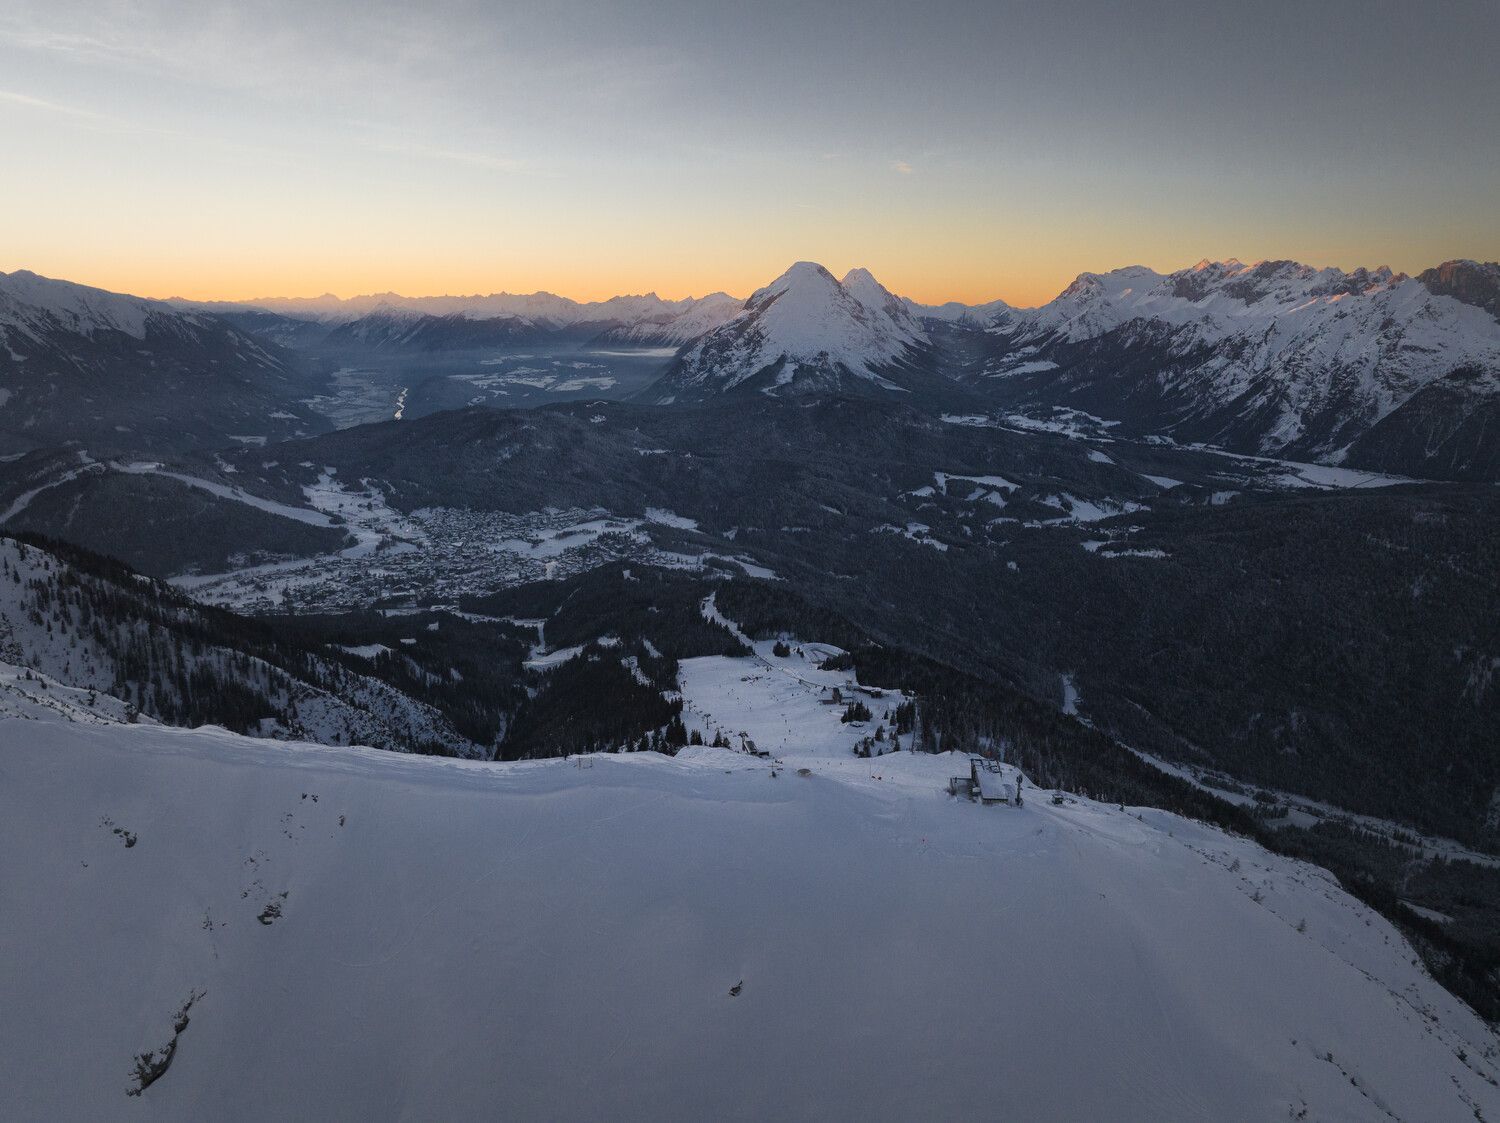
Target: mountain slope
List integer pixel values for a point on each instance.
(1274, 358)
(121, 373)
(804, 333)
(673, 938)
(101, 628)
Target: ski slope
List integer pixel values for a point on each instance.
(362, 934)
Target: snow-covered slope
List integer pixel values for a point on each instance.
(36, 307)
(294, 931)
(82, 364)
(146, 645)
(805, 331)
(1275, 357)
(30, 695)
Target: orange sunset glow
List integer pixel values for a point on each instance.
(201, 152)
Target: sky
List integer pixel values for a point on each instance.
(960, 150)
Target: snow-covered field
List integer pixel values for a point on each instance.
(781, 703)
(499, 384)
(362, 934)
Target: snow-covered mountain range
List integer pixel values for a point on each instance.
(1368, 368)
(812, 591)
(404, 329)
(1276, 358)
(677, 322)
(954, 312)
(1371, 367)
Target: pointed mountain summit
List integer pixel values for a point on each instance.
(805, 332)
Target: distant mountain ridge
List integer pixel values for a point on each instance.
(444, 322)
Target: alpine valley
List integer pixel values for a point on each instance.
(562, 692)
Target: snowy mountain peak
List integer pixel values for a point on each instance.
(1281, 280)
(810, 328)
(863, 287)
(804, 278)
(1215, 297)
(1095, 302)
(806, 314)
(1112, 285)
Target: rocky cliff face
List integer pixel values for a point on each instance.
(1473, 282)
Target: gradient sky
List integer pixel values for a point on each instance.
(960, 150)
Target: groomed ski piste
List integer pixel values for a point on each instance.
(238, 929)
